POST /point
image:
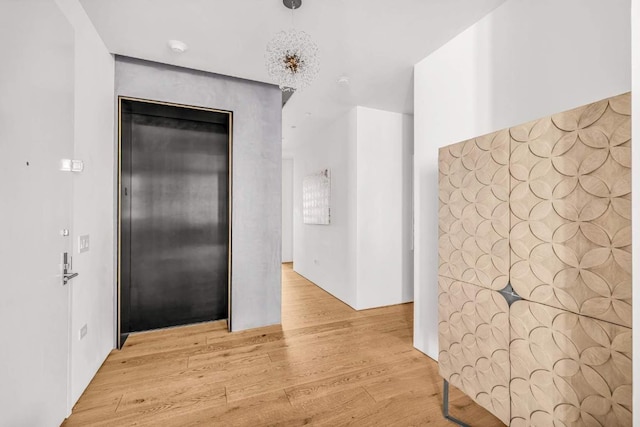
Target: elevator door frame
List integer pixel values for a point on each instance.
(119, 340)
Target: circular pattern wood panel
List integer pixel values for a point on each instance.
(474, 211)
(474, 343)
(570, 207)
(568, 369)
(546, 207)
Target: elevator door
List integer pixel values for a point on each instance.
(177, 194)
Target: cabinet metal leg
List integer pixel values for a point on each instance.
(445, 407)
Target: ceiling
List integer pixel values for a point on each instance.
(373, 42)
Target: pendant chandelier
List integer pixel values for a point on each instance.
(292, 57)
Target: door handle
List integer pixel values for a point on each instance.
(66, 266)
(68, 276)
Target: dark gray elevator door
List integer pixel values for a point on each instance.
(179, 222)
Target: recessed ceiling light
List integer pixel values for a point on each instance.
(343, 80)
(177, 46)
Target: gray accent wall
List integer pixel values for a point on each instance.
(256, 175)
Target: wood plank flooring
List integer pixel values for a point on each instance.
(327, 364)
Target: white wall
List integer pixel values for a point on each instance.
(364, 257)
(635, 171)
(525, 60)
(36, 131)
(90, 296)
(384, 166)
(92, 292)
(325, 254)
(287, 210)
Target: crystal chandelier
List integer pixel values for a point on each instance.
(292, 57)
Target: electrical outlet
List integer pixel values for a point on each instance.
(83, 331)
(83, 243)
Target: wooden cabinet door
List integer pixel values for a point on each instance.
(570, 204)
(568, 369)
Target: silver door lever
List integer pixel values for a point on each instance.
(68, 276)
(66, 267)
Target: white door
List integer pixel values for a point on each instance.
(36, 131)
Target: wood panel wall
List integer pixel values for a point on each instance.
(545, 207)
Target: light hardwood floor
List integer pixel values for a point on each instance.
(326, 365)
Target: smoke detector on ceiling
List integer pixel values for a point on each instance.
(343, 80)
(177, 46)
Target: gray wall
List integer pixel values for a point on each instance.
(257, 173)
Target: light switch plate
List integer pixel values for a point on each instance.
(83, 243)
(83, 331)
